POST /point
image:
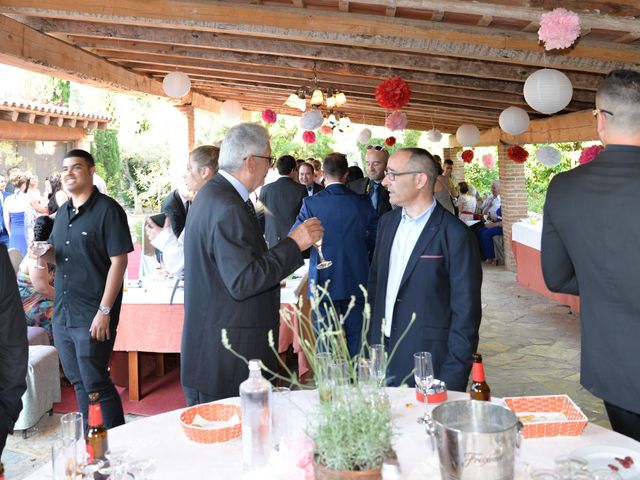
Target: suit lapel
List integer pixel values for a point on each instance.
(425, 238)
(254, 218)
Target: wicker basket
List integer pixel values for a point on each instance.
(212, 412)
(572, 426)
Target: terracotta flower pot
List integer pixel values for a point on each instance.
(324, 473)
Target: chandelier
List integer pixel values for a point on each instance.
(328, 97)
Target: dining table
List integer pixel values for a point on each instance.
(162, 439)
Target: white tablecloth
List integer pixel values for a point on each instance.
(527, 234)
(161, 437)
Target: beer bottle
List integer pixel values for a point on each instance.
(479, 388)
(97, 442)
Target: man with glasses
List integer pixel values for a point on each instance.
(590, 248)
(375, 162)
(232, 280)
(426, 263)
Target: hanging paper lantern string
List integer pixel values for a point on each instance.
(308, 136)
(390, 141)
(396, 121)
(590, 153)
(518, 154)
(467, 156)
(559, 29)
(269, 116)
(393, 93)
(488, 160)
(548, 156)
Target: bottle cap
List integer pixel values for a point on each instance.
(254, 365)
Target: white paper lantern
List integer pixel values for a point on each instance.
(514, 121)
(311, 120)
(468, 135)
(548, 156)
(364, 136)
(548, 91)
(434, 135)
(176, 84)
(231, 111)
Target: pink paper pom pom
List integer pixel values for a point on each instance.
(488, 160)
(396, 121)
(269, 116)
(559, 28)
(590, 153)
(308, 136)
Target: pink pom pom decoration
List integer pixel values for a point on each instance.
(269, 116)
(590, 153)
(559, 29)
(326, 130)
(308, 136)
(396, 121)
(488, 160)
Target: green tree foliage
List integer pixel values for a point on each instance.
(106, 152)
(285, 141)
(479, 176)
(538, 176)
(60, 91)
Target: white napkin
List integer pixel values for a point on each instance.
(201, 422)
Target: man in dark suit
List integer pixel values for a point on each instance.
(590, 248)
(426, 263)
(232, 280)
(175, 208)
(371, 185)
(349, 224)
(305, 177)
(14, 351)
(282, 200)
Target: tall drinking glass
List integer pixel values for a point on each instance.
(365, 374)
(72, 426)
(322, 376)
(280, 412)
(423, 372)
(378, 363)
(339, 380)
(63, 462)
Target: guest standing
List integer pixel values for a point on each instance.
(16, 207)
(305, 177)
(375, 163)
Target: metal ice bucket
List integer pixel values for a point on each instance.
(475, 440)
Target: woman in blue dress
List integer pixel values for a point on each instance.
(16, 206)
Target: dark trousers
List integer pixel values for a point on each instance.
(5, 426)
(353, 324)
(623, 421)
(196, 397)
(85, 362)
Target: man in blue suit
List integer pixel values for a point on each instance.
(426, 263)
(350, 224)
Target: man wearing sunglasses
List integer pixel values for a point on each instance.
(426, 263)
(590, 248)
(375, 162)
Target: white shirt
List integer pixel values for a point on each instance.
(491, 206)
(237, 184)
(404, 242)
(172, 249)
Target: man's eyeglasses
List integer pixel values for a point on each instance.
(376, 147)
(392, 175)
(596, 111)
(271, 160)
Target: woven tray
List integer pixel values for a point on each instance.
(562, 404)
(212, 412)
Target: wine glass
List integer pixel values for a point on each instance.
(378, 363)
(39, 248)
(424, 371)
(322, 264)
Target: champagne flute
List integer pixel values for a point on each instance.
(39, 248)
(424, 371)
(378, 361)
(323, 263)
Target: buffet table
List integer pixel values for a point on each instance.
(149, 323)
(525, 242)
(160, 437)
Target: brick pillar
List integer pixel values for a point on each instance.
(513, 194)
(181, 142)
(458, 165)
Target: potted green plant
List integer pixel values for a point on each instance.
(351, 429)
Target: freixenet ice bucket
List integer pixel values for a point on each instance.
(475, 440)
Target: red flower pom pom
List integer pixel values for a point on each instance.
(518, 154)
(326, 130)
(390, 141)
(269, 116)
(467, 156)
(590, 153)
(308, 136)
(393, 93)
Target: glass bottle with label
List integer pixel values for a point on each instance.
(479, 389)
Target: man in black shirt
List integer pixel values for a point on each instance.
(90, 241)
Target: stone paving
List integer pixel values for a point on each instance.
(530, 346)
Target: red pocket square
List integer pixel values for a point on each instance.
(431, 256)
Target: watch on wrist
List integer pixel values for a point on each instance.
(104, 310)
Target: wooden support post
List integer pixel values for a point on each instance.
(134, 377)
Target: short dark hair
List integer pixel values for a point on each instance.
(335, 165)
(82, 154)
(42, 228)
(448, 162)
(463, 187)
(355, 173)
(422, 161)
(286, 164)
(305, 164)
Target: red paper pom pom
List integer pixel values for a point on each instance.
(390, 141)
(467, 156)
(393, 93)
(518, 154)
(326, 130)
(590, 153)
(269, 116)
(308, 136)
